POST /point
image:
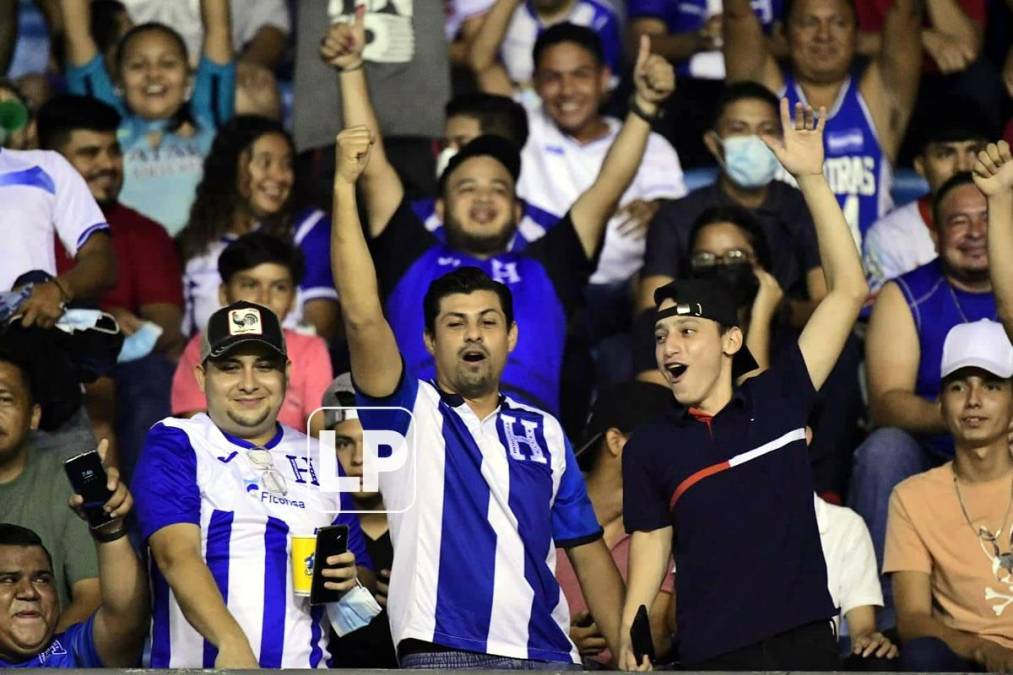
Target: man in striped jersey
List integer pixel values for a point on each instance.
(728, 475)
(219, 497)
(472, 584)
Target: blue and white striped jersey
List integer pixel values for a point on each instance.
(191, 472)
(475, 536)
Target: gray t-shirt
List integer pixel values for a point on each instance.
(406, 63)
(37, 499)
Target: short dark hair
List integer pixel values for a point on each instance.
(952, 183)
(67, 113)
(498, 115)
(8, 355)
(743, 219)
(789, 5)
(740, 91)
(15, 535)
(569, 32)
(257, 248)
(955, 120)
(464, 280)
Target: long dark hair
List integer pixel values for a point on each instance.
(218, 198)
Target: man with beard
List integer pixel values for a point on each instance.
(868, 110)
(147, 299)
(480, 210)
(910, 321)
(490, 486)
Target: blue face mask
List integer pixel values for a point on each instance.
(353, 611)
(141, 343)
(748, 161)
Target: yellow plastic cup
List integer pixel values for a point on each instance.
(303, 548)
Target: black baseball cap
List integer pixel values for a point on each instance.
(624, 406)
(488, 145)
(707, 299)
(239, 323)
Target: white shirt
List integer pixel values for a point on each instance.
(247, 17)
(852, 576)
(42, 196)
(556, 170)
(191, 472)
(897, 243)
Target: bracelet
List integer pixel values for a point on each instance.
(641, 113)
(106, 537)
(352, 68)
(64, 293)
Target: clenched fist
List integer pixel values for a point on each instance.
(352, 147)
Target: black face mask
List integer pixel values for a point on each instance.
(739, 277)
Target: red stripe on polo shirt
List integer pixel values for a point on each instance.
(696, 478)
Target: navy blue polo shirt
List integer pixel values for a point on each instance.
(547, 280)
(738, 492)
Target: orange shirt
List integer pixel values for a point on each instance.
(927, 532)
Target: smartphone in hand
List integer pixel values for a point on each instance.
(88, 478)
(331, 540)
(640, 636)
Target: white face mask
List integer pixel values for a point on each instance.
(74, 320)
(443, 159)
(353, 611)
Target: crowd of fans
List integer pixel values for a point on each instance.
(699, 308)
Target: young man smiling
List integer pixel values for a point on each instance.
(730, 471)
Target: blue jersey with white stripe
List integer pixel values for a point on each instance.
(475, 519)
(192, 472)
(855, 166)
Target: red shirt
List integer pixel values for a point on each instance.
(146, 258)
(872, 16)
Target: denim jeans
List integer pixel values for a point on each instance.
(143, 389)
(928, 655)
(453, 660)
(886, 458)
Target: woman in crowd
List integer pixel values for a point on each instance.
(247, 186)
(169, 113)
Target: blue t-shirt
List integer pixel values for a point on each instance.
(936, 307)
(73, 648)
(547, 281)
(160, 178)
(855, 166)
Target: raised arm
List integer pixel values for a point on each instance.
(655, 81)
(890, 84)
(745, 47)
(121, 620)
(217, 30)
(78, 42)
(483, 51)
(342, 48)
(993, 174)
(801, 154)
(376, 360)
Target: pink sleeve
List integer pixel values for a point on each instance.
(186, 394)
(318, 375)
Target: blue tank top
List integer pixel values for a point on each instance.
(856, 168)
(532, 372)
(936, 307)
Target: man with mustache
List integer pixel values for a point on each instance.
(147, 299)
(910, 320)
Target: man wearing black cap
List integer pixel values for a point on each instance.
(727, 476)
(480, 210)
(219, 497)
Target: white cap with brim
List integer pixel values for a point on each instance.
(981, 344)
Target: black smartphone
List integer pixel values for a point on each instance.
(88, 478)
(331, 540)
(640, 636)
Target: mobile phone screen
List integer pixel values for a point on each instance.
(640, 636)
(331, 540)
(88, 478)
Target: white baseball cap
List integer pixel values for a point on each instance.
(981, 344)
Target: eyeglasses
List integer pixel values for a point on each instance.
(1000, 560)
(706, 259)
(273, 479)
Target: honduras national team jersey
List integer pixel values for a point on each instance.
(74, 648)
(856, 168)
(483, 505)
(192, 472)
